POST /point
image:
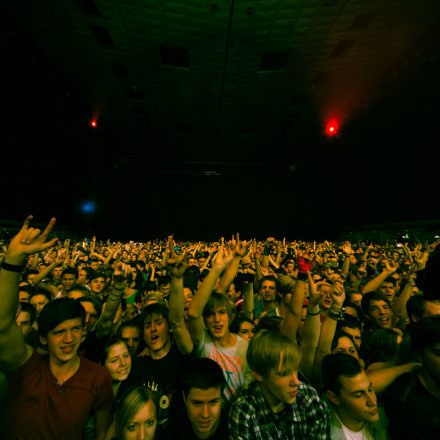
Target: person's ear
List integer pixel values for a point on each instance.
(333, 397)
(257, 376)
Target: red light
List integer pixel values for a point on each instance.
(332, 128)
(93, 123)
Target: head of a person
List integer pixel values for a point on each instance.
(25, 292)
(135, 415)
(354, 310)
(202, 384)
(352, 327)
(78, 291)
(97, 282)
(268, 288)
(418, 307)
(84, 275)
(157, 329)
(425, 342)
(388, 288)
(273, 360)
(60, 327)
(39, 299)
(93, 308)
(354, 297)
(326, 300)
(26, 318)
(29, 275)
(377, 310)
(68, 278)
(217, 315)
(164, 283)
(131, 311)
(349, 389)
(131, 333)
(56, 272)
(286, 286)
(234, 290)
(344, 343)
(117, 359)
(188, 296)
(94, 264)
(243, 326)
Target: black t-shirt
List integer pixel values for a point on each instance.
(180, 428)
(412, 411)
(162, 376)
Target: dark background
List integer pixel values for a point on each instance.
(230, 138)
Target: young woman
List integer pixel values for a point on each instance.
(117, 362)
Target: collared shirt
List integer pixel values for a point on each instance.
(251, 418)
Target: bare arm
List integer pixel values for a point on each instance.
(176, 265)
(195, 311)
(13, 350)
(375, 283)
(248, 300)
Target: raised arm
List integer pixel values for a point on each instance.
(13, 350)
(176, 266)
(375, 283)
(231, 272)
(198, 303)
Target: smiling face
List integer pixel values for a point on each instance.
(204, 410)
(381, 314)
(118, 362)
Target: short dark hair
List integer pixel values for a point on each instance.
(424, 333)
(29, 288)
(415, 306)
(70, 271)
(341, 334)
(236, 323)
(269, 278)
(155, 309)
(350, 322)
(336, 365)
(58, 311)
(92, 299)
(41, 292)
(369, 297)
(203, 373)
(29, 308)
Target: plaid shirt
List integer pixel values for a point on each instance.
(251, 418)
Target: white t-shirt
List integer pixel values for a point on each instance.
(363, 434)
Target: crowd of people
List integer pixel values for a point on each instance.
(232, 339)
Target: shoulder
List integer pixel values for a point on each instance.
(308, 399)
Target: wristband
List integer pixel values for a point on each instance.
(337, 316)
(12, 267)
(309, 313)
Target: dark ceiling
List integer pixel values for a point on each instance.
(211, 114)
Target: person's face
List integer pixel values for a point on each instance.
(38, 301)
(165, 289)
(247, 330)
(357, 399)
(30, 277)
(156, 333)
(63, 341)
(143, 425)
(94, 265)
(91, 316)
(187, 297)
(131, 312)
(118, 362)
(192, 262)
(201, 261)
(361, 272)
(388, 289)
(346, 346)
(68, 280)
(24, 322)
(290, 267)
(355, 333)
(279, 388)
(218, 322)
(56, 272)
(82, 276)
(381, 314)
(132, 338)
(204, 410)
(326, 300)
(232, 293)
(23, 296)
(97, 285)
(268, 290)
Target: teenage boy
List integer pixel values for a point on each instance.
(202, 418)
(209, 317)
(277, 404)
(352, 402)
(58, 391)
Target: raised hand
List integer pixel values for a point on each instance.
(337, 293)
(223, 258)
(176, 264)
(121, 273)
(30, 240)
